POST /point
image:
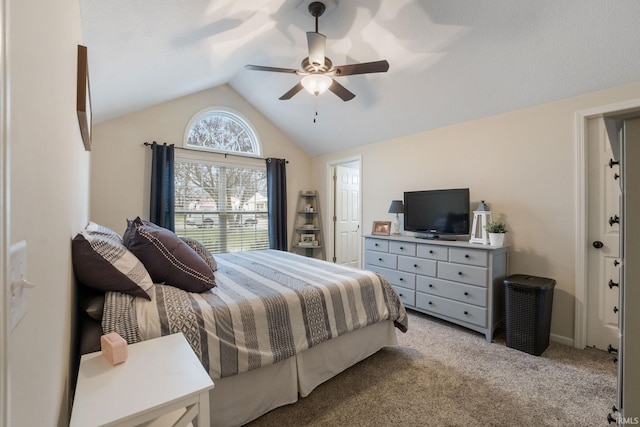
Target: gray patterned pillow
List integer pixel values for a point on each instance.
(102, 262)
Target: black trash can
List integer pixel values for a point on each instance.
(528, 303)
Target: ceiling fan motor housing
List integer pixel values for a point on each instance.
(316, 8)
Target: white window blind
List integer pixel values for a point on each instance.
(224, 206)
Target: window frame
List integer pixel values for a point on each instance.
(240, 119)
(236, 159)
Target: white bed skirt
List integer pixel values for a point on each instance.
(237, 400)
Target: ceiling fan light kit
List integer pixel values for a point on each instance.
(318, 70)
(316, 84)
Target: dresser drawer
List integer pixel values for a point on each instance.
(408, 297)
(395, 277)
(381, 259)
(417, 265)
(402, 248)
(469, 257)
(439, 253)
(456, 310)
(376, 245)
(463, 273)
(452, 290)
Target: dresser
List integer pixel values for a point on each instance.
(453, 280)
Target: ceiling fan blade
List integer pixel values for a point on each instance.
(273, 69)
(344, 93)
(317, 43)
(297, 88)
(363, 68)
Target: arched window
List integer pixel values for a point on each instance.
(221, 202)
(223, 131)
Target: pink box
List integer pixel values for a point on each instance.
(114, 348)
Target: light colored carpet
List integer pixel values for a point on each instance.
(444, 375)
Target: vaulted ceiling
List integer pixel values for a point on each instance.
(450, 60)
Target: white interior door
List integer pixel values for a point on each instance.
(604, 238)
(347, 215)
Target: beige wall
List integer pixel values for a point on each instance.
(49, 173)
(120, 164)
(523, 163)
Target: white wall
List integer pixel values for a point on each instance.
(523, 163)
(120, 164)
(49, 172)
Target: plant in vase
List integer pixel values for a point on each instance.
(496, 230)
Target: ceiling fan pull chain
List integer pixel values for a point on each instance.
(315, 109)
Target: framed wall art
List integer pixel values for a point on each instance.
(83, 101)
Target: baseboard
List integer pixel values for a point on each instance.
(561, 339)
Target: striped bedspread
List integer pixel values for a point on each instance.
(266, 306)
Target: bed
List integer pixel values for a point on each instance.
(274, 326)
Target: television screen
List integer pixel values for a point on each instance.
(437, 212)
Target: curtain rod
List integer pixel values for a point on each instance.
(214, 152)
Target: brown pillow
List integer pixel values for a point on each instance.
(102, 262)
(168, 258)
(202, 251)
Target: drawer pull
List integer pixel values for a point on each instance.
(466, 256)
(375, 244)
(430, 285)
(460, 273)
(430, 251)
(430, 303)
(466, 313)
(402, 248)
(379, 259)
(400, 295)
(466, 294)
(415, 265)
(402, 279)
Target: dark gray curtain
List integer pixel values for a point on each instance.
(162, 209)
(277, 195)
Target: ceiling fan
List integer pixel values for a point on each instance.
(318, 70)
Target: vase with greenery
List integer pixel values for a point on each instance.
(496, 230)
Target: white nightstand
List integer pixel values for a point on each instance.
(160, 376)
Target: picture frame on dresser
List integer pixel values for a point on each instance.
(381, 228)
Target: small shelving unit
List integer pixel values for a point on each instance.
(307, 237)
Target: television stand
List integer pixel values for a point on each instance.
(435, 236)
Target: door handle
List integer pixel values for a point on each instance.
(598, 244)
(612, 284)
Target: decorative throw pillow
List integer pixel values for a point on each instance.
(168, 258)
(202, 251)
(102, 262)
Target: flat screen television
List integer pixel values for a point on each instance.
(437, 214)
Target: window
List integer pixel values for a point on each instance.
(221, 131)
(221, 203)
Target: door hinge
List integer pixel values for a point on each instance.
(335, 259)
(335, 218)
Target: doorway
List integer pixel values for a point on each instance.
(344, 208)
(583, 243)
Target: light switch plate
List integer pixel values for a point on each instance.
(18, 272)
